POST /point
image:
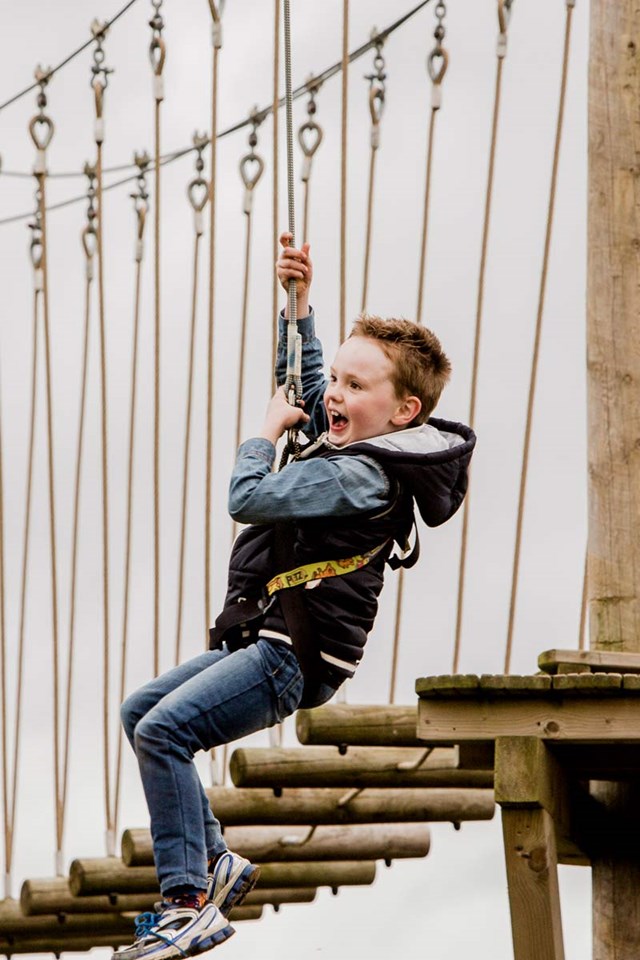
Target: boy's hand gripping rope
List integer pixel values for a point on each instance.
(293, 383)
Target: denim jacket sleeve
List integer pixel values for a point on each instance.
(313, 379)
(337, 486)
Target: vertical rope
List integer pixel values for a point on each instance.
(437, 64)
(157, 53)
(3, 681)
(343, 169)
(217, 45)
(198, 193)
(504, 9)
(582, 630)
(309, 137)
(376, 105)
(99, 84)
(538, 331)
(276, 169)
(141, 206)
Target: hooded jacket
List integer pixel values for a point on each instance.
(426, 466)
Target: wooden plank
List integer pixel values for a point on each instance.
(587, 684)
(600, 661)
(239, 806)
(532, 874)
(359, 767)
(346, 724)
(590, 719)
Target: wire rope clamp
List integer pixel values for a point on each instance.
(251, 165)
(216, 34)
(41, 129)
(157, 50)
(310, 137)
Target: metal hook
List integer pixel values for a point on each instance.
(411, 765)
(294, 841)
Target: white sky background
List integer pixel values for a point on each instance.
(456, 899)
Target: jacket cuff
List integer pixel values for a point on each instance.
(306, 325)
(258, 447)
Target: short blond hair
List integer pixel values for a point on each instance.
(421, 367)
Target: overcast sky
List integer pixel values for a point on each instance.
(455, 901)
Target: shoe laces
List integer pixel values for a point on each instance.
(145, 922)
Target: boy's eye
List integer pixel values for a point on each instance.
(354, 385)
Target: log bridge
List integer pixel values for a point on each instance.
(559, 744)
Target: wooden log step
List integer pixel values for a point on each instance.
(53, 896)
(360, 767)
(278, 844)
(238, 806)
(13, 923)
(110, 875)
(355, 725)
(588, 661)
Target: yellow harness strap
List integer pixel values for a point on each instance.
(320, 571)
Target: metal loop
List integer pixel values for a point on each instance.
(157, 55)
(250, 180)
(310, 137)
(437, 63)
(376, 104)
(41, 137)
(505, 9)
(35, 249)
(198, 193)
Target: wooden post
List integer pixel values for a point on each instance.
(613, 353)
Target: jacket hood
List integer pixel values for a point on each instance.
(430, 461)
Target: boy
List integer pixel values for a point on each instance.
(302, 594)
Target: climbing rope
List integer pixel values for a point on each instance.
(275, 220)
(570, 4)
(582, 630)
(437, 63)
(100, 78)
(251, 169)
(89, 246)
(3, 665)
(309, 137)
(377, 89)
(343, 168)
(504, 14)
(216, 38)
(157, 55)
(141, 208)
(198, 193)
(41, 129)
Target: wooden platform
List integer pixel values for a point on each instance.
(553, 737)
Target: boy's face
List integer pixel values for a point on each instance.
(360, 399)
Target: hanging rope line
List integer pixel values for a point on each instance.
(157, 55)
(376, 105)
(178, 154)
(89, 246)
(504, 14)
(437, 63)
(216, 37)
(343, 168)
(198, 194)
(309, 137)
(51, 71)
(3, 667)
(10, 798)
(41, 129)
(100, 79)
(570, 4)
(275, 172)
(251, 169)
(582, 630)
(141, 207)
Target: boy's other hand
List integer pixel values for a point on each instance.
(293, 264)
(280, 416)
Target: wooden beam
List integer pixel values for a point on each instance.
(360, 767)
(355, 725)
(108, 875)
(238, 806)
(533, 792)
(278, 844)
(598, 661)
(589, 719)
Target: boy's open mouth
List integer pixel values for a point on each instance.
(338, 421)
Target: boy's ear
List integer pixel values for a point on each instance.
(407, 411)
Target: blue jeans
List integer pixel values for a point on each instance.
(210, 700)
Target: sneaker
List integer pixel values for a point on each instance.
(176, 931)
(231, 879)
